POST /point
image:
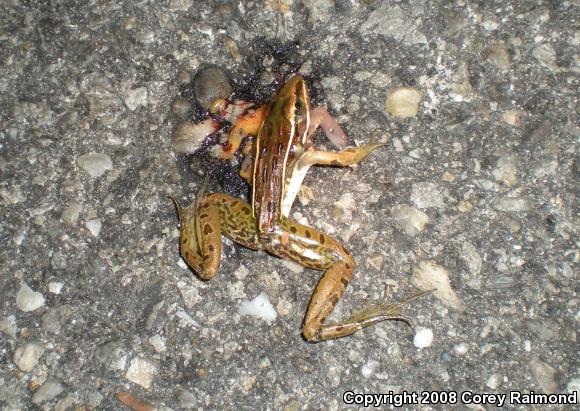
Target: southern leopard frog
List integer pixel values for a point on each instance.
(282, 154)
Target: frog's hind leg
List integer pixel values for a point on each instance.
(319, 251)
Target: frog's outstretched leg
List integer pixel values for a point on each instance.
(316, 250)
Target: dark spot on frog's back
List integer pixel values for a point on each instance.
(322, 239)
(293, 229)
(207, 229)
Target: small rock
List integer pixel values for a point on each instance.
(70, 215)
(510, 204)
(27, 299)
(546, 166)
(546, 55)
(141, 372)
(57, 317)
(94, 226)
(186, 399)
(506, 170)
(96, 164)
(391, 20)
(469, 254)
(47, 391)
(368, 369)
(545, 375)
(344, 207)
(259, 307)
(26, 356)
(464, 206)
(513, 117)
(409, 219)
(403, 102)
(55, 287)
(135, 97)
(188, 136)
(427, 195)
(460, 348)
(8, 326)
(499, 56)
(423, 337)
(157, 343)
(112, 355)
(210, 84)
(494, 381)
(189, 294)
(429, 275)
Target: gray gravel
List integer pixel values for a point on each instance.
(476, 191)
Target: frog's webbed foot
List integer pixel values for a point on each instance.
(385, 311)
(365, 318)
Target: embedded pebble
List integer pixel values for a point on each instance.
(509, 204)
(186, 399)
(499, 56)
(135, 97)
(188, 136)
(469, 254)
(429, 275)
(391, 20)
(158, 343)
(112, 355)
(403, 102)
(94, 226)
(189, 294)
(513, 117)
(369, 368)
(546, 166)
(47, 391)
(28, 299)
(506, 170)
(70, 215)
(460, 348)
(344, 207)
(57, 317)
(409, 219)
(494, 381)
(141, 372)
(545, 375)
(26, 356)
(423, 337)
(55, 287)
(8, 326)
(426, 195)
(96, 164)
(259, 307)
(546, 55)
(210, 84)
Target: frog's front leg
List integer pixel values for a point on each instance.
(316, 250)
(310, 157)
(204, 221)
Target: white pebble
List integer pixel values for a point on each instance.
(369, 368)
(26, 356)
(460, 348)
(157, 343)
(8, 326)
(403, 102)
(55, 287)
(96, 164)
(47, 391)
(135, 98)
(409, 219)
(28, 299)
(94, 226)
(429, 275)
(423, 337)
(141, 372)
(259, 307)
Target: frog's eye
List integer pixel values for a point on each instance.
(298, 108)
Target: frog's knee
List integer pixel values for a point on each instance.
(311, 333)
